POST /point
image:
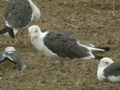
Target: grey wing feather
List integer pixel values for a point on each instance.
(2, 56)
(81, 42)
(79, 51)
(113, 69)
(86, 44)
(16, 58)
(64, 46)
(18, 13)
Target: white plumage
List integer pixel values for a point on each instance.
(108, 70)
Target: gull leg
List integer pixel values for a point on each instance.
(22, 70)
(21, 67)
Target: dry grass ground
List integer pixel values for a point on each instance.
(93, 23)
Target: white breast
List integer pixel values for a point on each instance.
(39, 44)
(100, 73)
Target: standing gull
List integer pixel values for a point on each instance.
(18, 14)
(61, 44)
(108, 70)
(12, 55)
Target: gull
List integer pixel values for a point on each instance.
(108, 70)
(18, 14)
(12, 55)
(55, 44)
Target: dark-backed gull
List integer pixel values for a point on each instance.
(18, 14)
(12, 55)
(61, 44)
(108, 70)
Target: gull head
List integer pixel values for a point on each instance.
(106, 61)
(10, 49)
(34, 31)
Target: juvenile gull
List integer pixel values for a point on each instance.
(61, 44)
(12, 55)
(18, 14)
(108, 70)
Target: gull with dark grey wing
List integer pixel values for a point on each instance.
(61, 44)
(18, 14)
(108, 70)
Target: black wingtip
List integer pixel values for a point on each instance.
(98, 57)
(8, 30)
(11, 33)
(106, 48)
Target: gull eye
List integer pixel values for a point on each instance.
(106, 62)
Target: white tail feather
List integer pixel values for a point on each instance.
(90, 48)
(95, 49)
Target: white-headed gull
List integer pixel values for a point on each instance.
(108, 70)
(61, 44)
